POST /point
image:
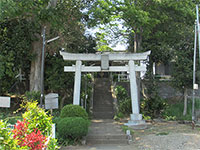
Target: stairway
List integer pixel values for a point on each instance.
(103, 102)
(103, 129)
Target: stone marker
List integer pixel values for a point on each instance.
(51, 101)
(4, 101)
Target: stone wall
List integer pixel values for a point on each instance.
(165, 89)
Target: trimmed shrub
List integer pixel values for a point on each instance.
(72, 128)
(73, 111)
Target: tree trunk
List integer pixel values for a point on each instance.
(135, 43)
(62, 101)
(185, 102)
(35, 74)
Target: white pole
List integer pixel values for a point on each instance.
(198, 27)
(194, 70)
(134, 90)
(77, 83)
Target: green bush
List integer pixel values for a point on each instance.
(73, 111)
(153, 106)
(72, 128)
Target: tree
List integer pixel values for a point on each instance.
(60, 18)
(183, 67)
(15, 55)
(163, 26)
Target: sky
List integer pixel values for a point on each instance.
(119, 46)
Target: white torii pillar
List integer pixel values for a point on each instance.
(77, 83)
(135, 117)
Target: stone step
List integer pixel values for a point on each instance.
(107, 136)
(101, 104)
(107, 141)
(102, 96)
(103, 108)
(103, 115)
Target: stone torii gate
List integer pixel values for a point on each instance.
(136, 117)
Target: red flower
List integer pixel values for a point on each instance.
(34, 140)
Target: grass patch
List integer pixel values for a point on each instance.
(175, 111)
(162, 133)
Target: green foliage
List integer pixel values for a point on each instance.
(86, 90)
(13, 119)
(33, 95)
(52, 145)
(73, 111)
(6, 140)
(38, 118)
(121, 93)
(125, 106)
(72, 128)
(15, 37)
(175, 111)
(124, 102)
(183, 67)
(20, 30)
(153, 106)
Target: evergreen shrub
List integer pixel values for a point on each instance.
(72, 127)
(73, 111)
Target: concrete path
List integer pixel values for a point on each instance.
(161, 136)
(101, 147)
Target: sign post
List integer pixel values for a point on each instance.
(5, 101)
(51, 101)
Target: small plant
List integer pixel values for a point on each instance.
(73, 128)
(162, 133)
(73, 111)
(146, 117)
(52, 145)
(125, 128)
(170, 118)
(118, 116)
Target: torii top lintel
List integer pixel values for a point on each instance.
(111, 56)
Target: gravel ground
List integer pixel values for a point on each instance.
(168, 136)
(160, 136)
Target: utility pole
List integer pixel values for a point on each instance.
(195, 86)
(42, 64)
(42, 68)
(194, 71)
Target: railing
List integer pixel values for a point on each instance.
(123, 77)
